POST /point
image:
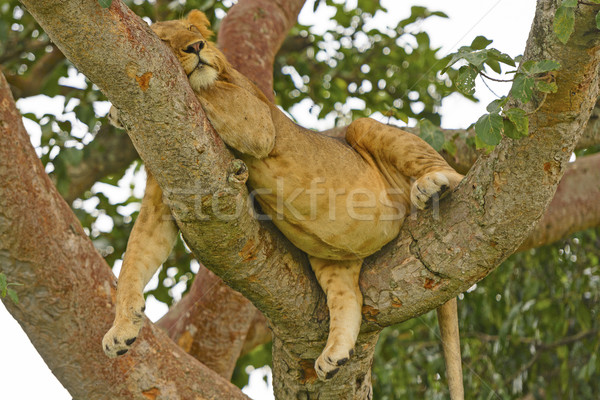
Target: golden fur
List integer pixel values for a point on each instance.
(337, 202)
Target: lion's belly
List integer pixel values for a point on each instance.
(342, 213)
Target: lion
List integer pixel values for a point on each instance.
(342, 201)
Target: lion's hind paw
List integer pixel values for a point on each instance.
(329, 362)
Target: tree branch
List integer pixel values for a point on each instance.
(111, 151)
(446, 251)
(67, 297)
(252, 34)
(433, 259)
(215, 323)
(247, 254)
(575, 206)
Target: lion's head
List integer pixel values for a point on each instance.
(188, 38)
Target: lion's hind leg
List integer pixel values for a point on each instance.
(400, 155)
(339, 281)
(151, 240)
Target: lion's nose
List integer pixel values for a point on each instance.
(194, 47)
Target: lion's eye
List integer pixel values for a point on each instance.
(192, 28)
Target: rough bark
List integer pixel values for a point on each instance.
(211, 323)
(436, 256)
(294, 376)
(252, 34)
(575, 206)
(67, 296)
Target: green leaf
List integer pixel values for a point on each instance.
(450, 147)
(476, 58)
(546, 87)
(465, 81)
(431, 134)
(504, 58)
(401, 116)
(496, 105)
(519, 118)
(316, 5)
(105, 3)
(564, 23)
(480, 42)
(489, 129)
(569, 3)
(522, 88)
(598, 20)
(440, 14)
(13, 295)
(538, 67)
(494, 65)
(510, 129)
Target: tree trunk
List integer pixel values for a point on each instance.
(67, 294)
(294, 376)
(437, 255)
(211, 323)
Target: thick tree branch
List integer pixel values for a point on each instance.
(211, 323)
(575, 206)
(503, 196)
(67, 292)
(252, 33)
(433, 259)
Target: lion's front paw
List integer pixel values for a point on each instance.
(427, 188)
(331, 359)
(119, 338)
(125, 329)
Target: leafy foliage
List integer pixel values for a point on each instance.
(353, 69)
(531, 328)
(564, 19)
(530, 77)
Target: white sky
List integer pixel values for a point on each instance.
(507, 22)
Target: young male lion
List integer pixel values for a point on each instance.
(337, 202)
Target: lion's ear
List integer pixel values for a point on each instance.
(200, 21)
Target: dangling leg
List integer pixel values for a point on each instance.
(339, 281)
(401, 154)
(150, 243)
